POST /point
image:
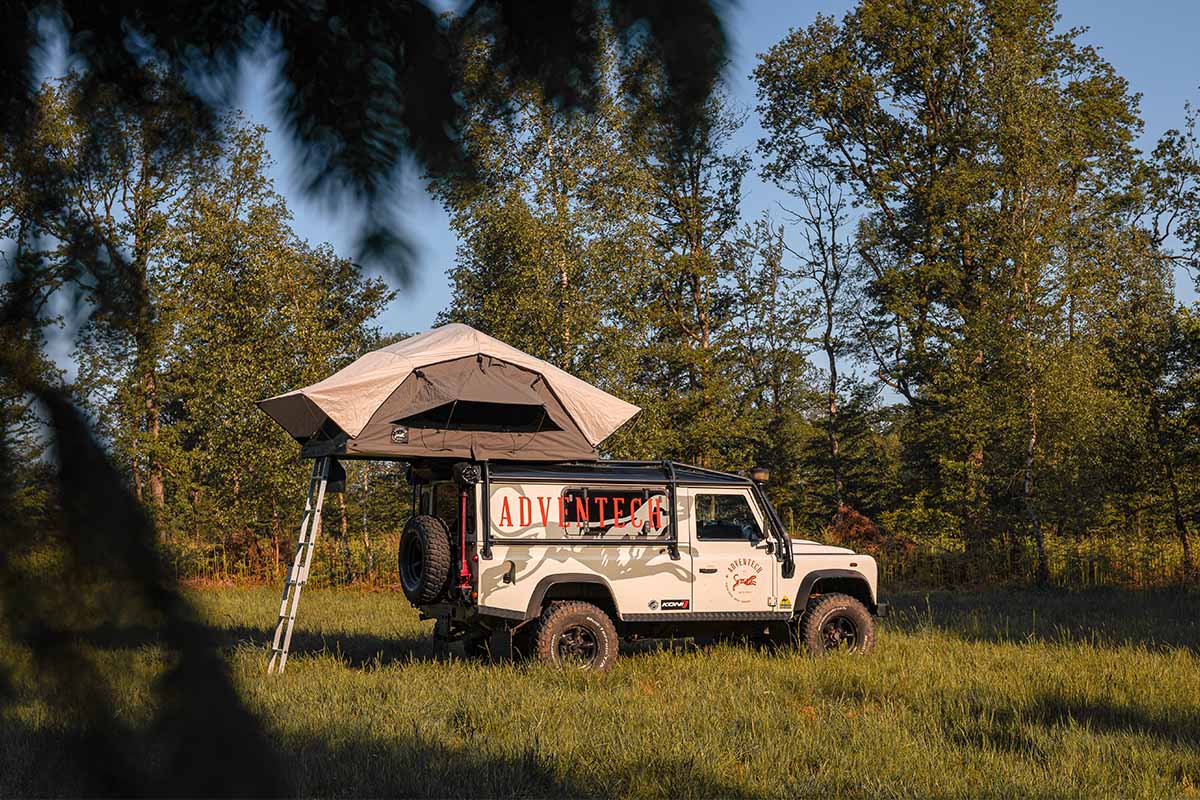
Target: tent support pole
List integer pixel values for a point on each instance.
(486, 552)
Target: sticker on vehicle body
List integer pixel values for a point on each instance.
(785, 602)
(675, 605)
(741, 579)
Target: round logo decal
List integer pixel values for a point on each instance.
(741, 579)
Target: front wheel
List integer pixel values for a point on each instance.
(835, 623)
(576, 634)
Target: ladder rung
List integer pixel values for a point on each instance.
(309, 527)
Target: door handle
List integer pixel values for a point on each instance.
(708, 570)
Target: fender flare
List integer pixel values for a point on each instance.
(539, 592)
(806, 585)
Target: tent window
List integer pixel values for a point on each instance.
(474, 415)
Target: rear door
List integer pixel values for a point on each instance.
(733, 572)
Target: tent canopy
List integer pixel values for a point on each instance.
(450, 393)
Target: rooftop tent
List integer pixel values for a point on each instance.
(454, 393)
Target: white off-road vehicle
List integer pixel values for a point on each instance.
(524, 538)
(562, 561)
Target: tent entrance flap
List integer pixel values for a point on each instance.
(479, 415)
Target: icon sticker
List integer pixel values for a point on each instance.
(741, 579)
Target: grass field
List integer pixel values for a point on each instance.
(970, 694)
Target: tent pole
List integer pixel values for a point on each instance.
(486, 552)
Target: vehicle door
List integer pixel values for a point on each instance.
(733, 570)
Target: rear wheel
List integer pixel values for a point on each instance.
(424, 559)
(576, 634)
(835, 623)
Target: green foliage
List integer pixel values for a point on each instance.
(232, 308)
(963, 325)
(1005, 277)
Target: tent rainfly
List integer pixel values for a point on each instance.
(450, 393)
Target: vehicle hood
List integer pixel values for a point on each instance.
(809, 546)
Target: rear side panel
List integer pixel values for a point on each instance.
(633, 562)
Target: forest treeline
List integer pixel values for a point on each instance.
(958, 343)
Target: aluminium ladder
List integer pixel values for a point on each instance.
(310, 526)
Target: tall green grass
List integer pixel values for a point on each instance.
(990, 694)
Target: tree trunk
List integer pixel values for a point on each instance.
(366, 531)
(135, 469)
(344, 540)
(275, 536)
(832, 406)
(1031, 509)
(154, 478)
(564, 278)
(145, 340)
(1168, 467)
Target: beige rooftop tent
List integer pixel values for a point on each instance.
(450, 393)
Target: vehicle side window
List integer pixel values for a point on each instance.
(601, 509)
(725, 517)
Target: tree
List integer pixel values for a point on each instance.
(367, 89)
(825, 263)
(125, 178)
(773, 376)
(235, 256)
(990, 157)
(549, 221)
(686, 296)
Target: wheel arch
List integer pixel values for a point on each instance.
(584, 586)
(826, 581)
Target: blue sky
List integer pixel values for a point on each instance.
(1155, 49)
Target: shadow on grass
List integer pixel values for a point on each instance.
(992, 726)
(1181, 726)
(37, 762)
(1152, 618)
(418, 766)
(356, 650)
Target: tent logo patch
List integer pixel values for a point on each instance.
(399, 435)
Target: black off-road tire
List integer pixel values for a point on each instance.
(837, 623)
(574, 633)
(424, 559)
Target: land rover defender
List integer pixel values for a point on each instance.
(562, 561)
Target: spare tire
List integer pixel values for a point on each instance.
(424, 559)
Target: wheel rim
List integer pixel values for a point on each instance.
(412, 564)
(577, 645)
(840, 634)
